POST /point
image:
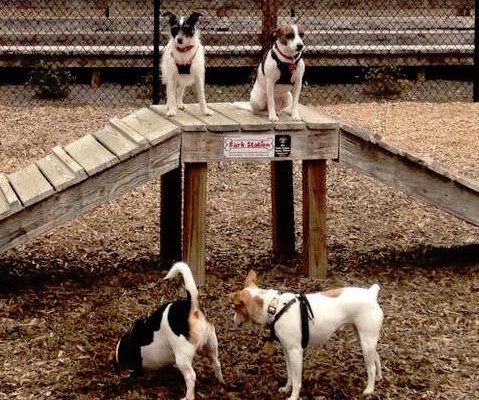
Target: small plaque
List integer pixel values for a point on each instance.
(282, 146)
(249, 146)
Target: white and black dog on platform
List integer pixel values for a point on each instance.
(300, 321)
(172, 335)
(183, 63)
(280, 75)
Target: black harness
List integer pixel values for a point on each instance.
(306, 315)
(286, 69)
(184, 69)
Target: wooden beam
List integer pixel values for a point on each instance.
(297, 145)
(282, 206)
(82, 197)
(194, 219)
(314, 219)
(170, 216)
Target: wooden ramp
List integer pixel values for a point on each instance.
(81, 175)
(147, 144)
(420, 177)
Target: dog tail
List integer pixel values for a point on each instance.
(374, 290)
(190, 285)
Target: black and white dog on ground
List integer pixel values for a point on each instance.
(183, 63)
(173, 334)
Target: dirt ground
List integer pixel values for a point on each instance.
(66, 297)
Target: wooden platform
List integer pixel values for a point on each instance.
(147, 145)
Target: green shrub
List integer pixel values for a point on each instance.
(385, 81)
(50, 81)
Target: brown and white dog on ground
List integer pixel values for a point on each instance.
(299, 321)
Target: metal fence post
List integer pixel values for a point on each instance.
(156, 52)
(476, 53)
(269, 9)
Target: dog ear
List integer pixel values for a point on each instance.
(193, 19)
(275, 34)
(251, 278)
(172, 18)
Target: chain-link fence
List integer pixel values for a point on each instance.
(101, 52)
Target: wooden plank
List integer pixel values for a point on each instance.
(246, 119)
(315, 256)
(282, 207)
(119, 143)
(129, 132)
(170, 216)
(91, 155)
(194, 219)
(417, 179)
(316, 120)
(215, 123)
(187, 122)
(9, 202)
(68, 161)
(148, 124)
(80, 198)
(285, 123)
(305, 145)
(30, 185)
(58, 173)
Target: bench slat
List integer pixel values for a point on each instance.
(30, 185)
(246, 119)
(187, 122)
(316, 120)
(58, 173)
(91, 155)
(120, 143)
(148, 124)
(215, 123)
(9, 202)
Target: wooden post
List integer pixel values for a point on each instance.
(475, 87)
(170, 216)
(269, 9)
(156, 53)
(194, 219)
(314, 218)
(282, 205)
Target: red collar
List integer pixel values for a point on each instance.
(292, 59)
(185, 49)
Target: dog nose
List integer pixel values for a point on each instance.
(299, 46)
(180, 40)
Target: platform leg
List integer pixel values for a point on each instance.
(170, 216)
(194, 219)
(282, 205)
(314, 219)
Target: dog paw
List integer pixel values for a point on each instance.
(296, 117)
(284, 389)
(207, 111)
(273, 118)
(171, 113)
(368, 391)
(181, 106)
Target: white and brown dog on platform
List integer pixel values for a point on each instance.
(299, 321)
(183, 63)
(172, 335)
(280, 75)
